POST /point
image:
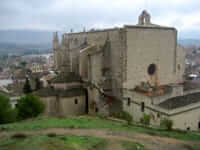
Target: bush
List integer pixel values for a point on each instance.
(7, 114)
(29, 106)
(101, 115)
(38, 84)
(127, 117)
(145, 119)
(27, 87)
(124, 115)
(166, 124)
(51, 135)
(11, 115)
(19, 136)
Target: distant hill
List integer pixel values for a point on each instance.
(26, 36)
(24, 41)
(6, 48)
(189, 42)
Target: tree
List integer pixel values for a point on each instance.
(7, 114)
(166, 124)
(23, 64)
(146, 119)
(37, 84)
(27, 87)
(1, 69)
(29, 106)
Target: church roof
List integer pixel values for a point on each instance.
(181, 101)
(46, 92)
(66, 78)
(149, 26)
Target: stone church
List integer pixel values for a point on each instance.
(136, 68)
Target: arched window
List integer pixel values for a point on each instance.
(128, 102)
(151, 69)
(76, 101)
(158, 115)
(199, 125)
(179, 67)
(142, 107)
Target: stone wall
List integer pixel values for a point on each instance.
(70, 108)
(64, 106)
(187, 117)
(134, 108)
(147, 46)
(99, 38)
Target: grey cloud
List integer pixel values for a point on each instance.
(66, 14)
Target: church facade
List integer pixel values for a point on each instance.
(135, 68)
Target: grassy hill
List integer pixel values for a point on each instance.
(66, 142)
(91, 133)
(97, 123)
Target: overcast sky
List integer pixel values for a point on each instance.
(77, 14)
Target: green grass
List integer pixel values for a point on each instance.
(133, 146)
(42, 142)
(67, 142)
(94, 122)
(192, 147)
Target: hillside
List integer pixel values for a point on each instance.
(26, 36)
(189, 42)
(20, 49)
(25, 41)
(91, 133)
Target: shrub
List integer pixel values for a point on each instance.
(101, 115)
(7, 114)
(145, 119)
(72, 127)
(166, 124)
(27, 87)
(38, 84)
(11, 115)
(51, 135)
(19, 135)
(127, 117)
(29, 106)
(124, 115)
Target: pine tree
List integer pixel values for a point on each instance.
(27, 87)
(37, 84)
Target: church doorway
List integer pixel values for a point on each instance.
(199, 125)
(86, 101)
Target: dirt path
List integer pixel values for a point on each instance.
(152, 142)
(113, 145)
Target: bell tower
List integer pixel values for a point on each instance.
(56, 48)
(144, 18)
(66, 67)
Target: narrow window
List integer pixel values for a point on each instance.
(15, 105)
(158, 115)
(129, 102)
(199, 125)
(76, 101)
(179, 67)
(96, 110)
(142, 107)
(151, 69)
